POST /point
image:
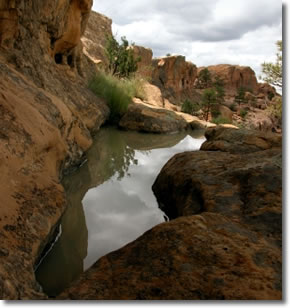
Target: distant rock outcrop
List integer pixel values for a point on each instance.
(175, 77)
(234, 77)
(145, 63)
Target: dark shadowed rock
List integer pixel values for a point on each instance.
(200, 257)
(239, 140)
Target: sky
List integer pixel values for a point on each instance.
(207, 32)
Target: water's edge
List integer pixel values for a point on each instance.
(113, 156)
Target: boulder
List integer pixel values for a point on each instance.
(241, 181)
(225, 113)
(201, 257)
(143, 118)
(239, 140)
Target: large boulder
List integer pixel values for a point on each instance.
(201, 257)
(239, 141)
(143, 118)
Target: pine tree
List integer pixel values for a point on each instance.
(273, 71)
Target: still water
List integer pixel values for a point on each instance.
(110, 200)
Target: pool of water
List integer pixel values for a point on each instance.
(110, 200)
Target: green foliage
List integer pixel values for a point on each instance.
(168, 55)
(204, 79)
(243, 113)
(275, 110)
(273, 71)
(221, 120)
(219, 86)
(116, 92)
(240, 97)
(270, 96)
(209, 100)
(122, 62)
(189, 107)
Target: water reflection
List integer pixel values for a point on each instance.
(110, 200)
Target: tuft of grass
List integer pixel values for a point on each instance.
(118, 93)
(220, 120)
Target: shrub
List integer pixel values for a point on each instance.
(240, 97)
(209, 100)
(221, 120)
(121, 58)
(275, 110)
(204, 79)
(117, 93)
(189, 107)
(243, 113)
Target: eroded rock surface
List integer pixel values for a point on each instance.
(94, 40)
(234, 77)
(47, 116)
(175, 77)
(200, 257)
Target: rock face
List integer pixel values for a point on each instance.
(94, 40)
(144, 66)
(234, 77)
(143, 118)
(175, 77)
(47, 115)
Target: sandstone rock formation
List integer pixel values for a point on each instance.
(145, 63)
(94, 40)
(141, 117)
(47, 115)
(201, 257)
(175, 77)
(234, 77)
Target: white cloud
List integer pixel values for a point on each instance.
(205, 31)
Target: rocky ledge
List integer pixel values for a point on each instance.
(224, 239)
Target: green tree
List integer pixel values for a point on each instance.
(209, 100)
(122, 62)
(273, 71)
(240, 97)
(219, 86)
(204, 79)
(189, 107)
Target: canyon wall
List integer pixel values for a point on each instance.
(47, 117)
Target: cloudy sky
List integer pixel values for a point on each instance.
(205, 31)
